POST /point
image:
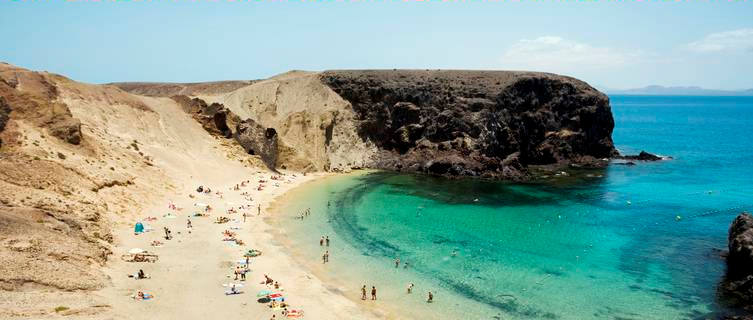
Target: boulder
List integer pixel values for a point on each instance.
(737, 285)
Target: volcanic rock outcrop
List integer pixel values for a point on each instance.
(258, 140)
(214, 118)
(643, 156)
(477, 123)
(738, 282)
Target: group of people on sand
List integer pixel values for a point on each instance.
(240, 270)
(373, 293)
(304, 213)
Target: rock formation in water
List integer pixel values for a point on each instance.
(738, 282)
(477, 123)
(643, 156)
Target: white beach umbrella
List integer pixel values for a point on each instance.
(136, 251)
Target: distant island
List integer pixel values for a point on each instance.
(679, 91)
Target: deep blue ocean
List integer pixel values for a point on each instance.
(626, 242)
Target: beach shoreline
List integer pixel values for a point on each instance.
(192, 267)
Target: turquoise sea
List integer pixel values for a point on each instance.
(626, 242)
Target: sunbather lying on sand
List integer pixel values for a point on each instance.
(139, 275)
(142, 296)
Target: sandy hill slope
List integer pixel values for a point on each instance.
(77, 160)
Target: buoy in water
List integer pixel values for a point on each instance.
(678, 218)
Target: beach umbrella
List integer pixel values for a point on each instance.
(136, 251)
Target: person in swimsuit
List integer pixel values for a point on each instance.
(363, 292)
(373, 293)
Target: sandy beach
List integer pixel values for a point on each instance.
(187, 280)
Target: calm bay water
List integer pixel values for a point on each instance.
(628, 242)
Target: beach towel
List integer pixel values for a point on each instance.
(264, 293)
(295, 314)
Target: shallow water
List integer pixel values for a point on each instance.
(628, 242)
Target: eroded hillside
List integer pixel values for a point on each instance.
(75, 161)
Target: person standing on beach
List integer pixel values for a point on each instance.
(327, 241)
(321, 242)
(258, 210)
(188, 224)
(397, 262)
(410, 287)
(373, 293)
(325, 257)
(431, 298)
(363, 292)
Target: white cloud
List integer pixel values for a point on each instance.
(555, 54)
(728, 41)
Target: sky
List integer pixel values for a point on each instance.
(610, 44)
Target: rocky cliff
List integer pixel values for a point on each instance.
(477, 123)
(737, 285)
